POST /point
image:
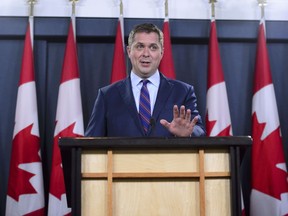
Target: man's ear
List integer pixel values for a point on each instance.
(128, 49)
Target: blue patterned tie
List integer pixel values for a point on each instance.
(144, 106)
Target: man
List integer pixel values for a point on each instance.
(146, 103)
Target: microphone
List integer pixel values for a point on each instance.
(152, 126)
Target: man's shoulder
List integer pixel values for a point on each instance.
(114, 86)
(176, 83)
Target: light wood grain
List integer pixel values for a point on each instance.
(94, 197)
(216, 161)
(156, 183)
(160, 161)
(165, 198)
(93, 161)
(218, 197)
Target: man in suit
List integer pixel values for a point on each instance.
(170, 109)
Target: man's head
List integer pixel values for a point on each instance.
(147, 28)
(145, 49)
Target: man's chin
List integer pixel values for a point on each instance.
(147, 73)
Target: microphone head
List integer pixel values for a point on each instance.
(152, 122)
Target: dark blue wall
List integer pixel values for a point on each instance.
(95, 38)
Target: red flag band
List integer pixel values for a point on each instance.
(68, 124)
(218, 121)
(25, 195)
(167, 63)
(269, 195)
(118, 65)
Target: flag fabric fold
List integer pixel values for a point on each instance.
(218, 121)
(269, 194)
(69, 123)
(167, 63)
(25, 194)
(119, 65)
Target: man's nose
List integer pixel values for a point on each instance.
(146, 51)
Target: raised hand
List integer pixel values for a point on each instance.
(181, 125)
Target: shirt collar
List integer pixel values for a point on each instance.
(154, 79)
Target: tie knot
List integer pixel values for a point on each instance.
(145, 82)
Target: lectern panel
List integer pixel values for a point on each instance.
(94, 161)
(218, 197)
(153, 176)
(93, 197)
(152, 197)
(156, 161)
(217, 160)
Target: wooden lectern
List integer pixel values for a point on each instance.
(153, 176)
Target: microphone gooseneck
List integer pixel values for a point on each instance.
(152, 126)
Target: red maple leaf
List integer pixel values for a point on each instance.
(210, 125)
(25, 149)
(57, 184)
(225, 131)
(266, 154)
(36, 213)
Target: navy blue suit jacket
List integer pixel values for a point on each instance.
(115, 113)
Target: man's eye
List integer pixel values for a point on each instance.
(139, 46)
(154, 47)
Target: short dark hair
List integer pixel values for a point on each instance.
(147, 28)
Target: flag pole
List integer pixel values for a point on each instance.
(121, 18)
(73, 16)
(121, 8)
(262, 4)
(212, 2)
(166, 9)
(31, 3)
(122, 23)
(31, 19)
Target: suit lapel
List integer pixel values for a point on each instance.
(125, 90)
(164, 91)
(126, 93)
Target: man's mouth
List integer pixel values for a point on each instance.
(145, 63)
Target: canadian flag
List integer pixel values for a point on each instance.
(218, 121)
(119, 65)
(69, 123)
(25, 195)
(167, 64)
(269, 194)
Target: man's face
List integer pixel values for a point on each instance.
(145, 54)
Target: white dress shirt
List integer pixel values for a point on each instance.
(152, 86)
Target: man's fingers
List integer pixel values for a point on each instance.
(175, 112)
(164, 123)
(182, 112)
(188, 115)
(194, 120)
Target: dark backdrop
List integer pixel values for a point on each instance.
(95, 39)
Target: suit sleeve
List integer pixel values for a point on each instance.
(191, 102)
(97, 124)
